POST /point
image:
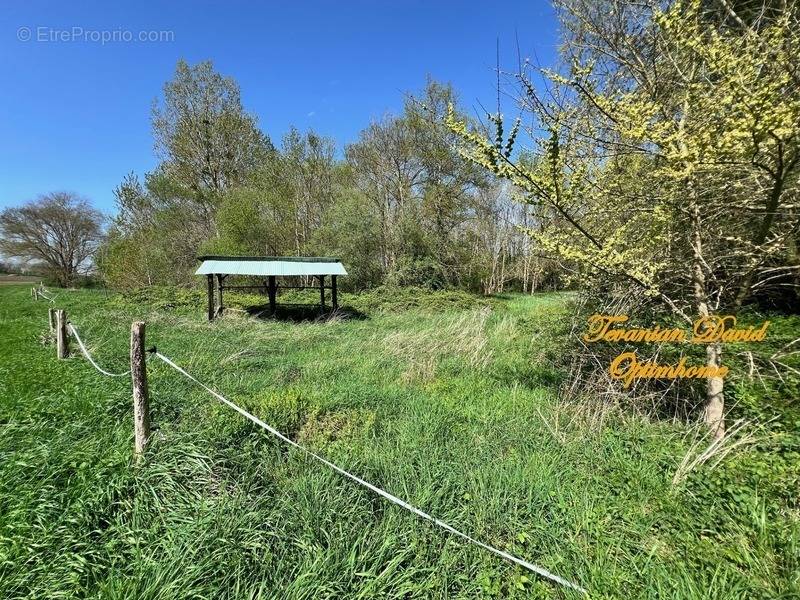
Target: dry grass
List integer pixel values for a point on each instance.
(463, 336)
(738, 437)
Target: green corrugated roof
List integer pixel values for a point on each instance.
(281, 266)
(311, 259)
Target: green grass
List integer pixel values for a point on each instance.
(449, 406)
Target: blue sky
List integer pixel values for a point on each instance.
(75, 115)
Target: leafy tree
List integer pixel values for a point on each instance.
(386, 172)
(209, 146)
(671, 158)
(308, 166)
(207, 142)
(420, 188)
(351, 231)
(403, 207)
(450, 186)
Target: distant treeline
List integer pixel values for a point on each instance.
(399, 207)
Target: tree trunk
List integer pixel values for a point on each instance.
(713, 413)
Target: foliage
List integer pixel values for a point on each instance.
(670, 165)
(729, 128)
(208, 146)
(394, 299)
(206, 140)
(401, 208)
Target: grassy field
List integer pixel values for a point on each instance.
(452, 408)
(6, 279)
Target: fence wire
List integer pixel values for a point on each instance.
(89, 356)
(391, 498)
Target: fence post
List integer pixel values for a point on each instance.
(220, 306)
(34, 294)
(141, 401)
(51, 318)
(271, 291)
(210, 297)
(62, 339)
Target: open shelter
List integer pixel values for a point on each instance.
(218, 268)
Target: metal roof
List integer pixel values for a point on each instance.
(281, 266)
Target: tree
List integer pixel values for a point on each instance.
(387, 171)
(670, 160)
(307, 166)
(421, 190)
(58, 232)
(207, 142)
(449, 185)
(424, 215)
(209, 147)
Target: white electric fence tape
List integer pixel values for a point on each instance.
(89, 357)
(42, 293)
(377, 490)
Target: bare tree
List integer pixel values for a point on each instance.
(58, 232)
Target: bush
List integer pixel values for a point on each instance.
(417, 272)
(392, 299)
(162, 297)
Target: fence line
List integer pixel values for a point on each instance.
(391, 498)
(384, 494)
(89, 356)
(44, 294)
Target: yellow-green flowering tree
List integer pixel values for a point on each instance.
(666, 158)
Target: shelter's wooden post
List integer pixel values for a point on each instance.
(322, 291)
(272, 290)
(220, 306)
(51, 319)
(62, 340)
(141, 401)
(334, 297)
(210, 279)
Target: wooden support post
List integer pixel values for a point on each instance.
(334, 296)
(322, 291)
(141, 400)
(35, 294)
(51, 319)
(210, 297)
(220, 306)
(271, 290)
(62, 340)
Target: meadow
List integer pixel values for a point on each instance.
(447, 401)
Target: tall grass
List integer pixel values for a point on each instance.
(453, 409)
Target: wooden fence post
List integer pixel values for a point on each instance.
(210, 297)
(271, 289)
(220, 306)
(51, 318)
(141, 401)
(62, 339)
